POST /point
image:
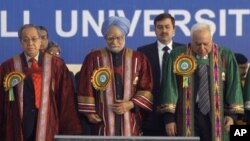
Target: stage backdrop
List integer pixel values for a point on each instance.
(76, 24)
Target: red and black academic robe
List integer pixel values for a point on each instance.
(133, 74)
(19, 120)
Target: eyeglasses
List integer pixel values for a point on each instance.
(54, 53)
(27, 40)
(112, 38)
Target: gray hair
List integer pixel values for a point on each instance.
(53, 44)
(28, 26)
(201, 26)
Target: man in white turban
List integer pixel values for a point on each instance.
(115, 84)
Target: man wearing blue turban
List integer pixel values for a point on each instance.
(115, 28)
(115, 84)
(121, 22)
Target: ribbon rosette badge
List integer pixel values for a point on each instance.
(101, 78)
(11, 80)
(184, 65)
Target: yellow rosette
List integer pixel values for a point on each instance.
(11, 80)
(100, 79)
(184, 65)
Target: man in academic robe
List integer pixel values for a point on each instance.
(36, 98)
(246, 95)
(243, 67)
(164, 30)
(187, 111)
(115, 84)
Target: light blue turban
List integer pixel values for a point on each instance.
(121, 22)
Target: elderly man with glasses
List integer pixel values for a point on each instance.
(115, 84)
(36, 93)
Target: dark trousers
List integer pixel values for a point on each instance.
(32, 137)
(202, 125)
(148, 132)
(154, 125)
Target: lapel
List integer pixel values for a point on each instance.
(28, 80)
(155, 63)
(155, 56)
(24, 61)
(40, 58)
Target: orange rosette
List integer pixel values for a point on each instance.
(101, 78)
(184, 65)
(11, 80)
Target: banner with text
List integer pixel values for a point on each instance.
(76, 24)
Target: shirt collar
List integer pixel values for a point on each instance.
(28, 57)
(161, 45)
(204, 57)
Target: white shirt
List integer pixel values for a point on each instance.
(28, 58)
(204, 57)
(161, 52)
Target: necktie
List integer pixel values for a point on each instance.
(164, 57)
(203, 91)
(37, 81)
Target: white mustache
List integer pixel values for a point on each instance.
(114, 46)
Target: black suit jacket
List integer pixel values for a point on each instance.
(154, 122)
(29, 110)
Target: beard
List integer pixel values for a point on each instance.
(115, 49)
